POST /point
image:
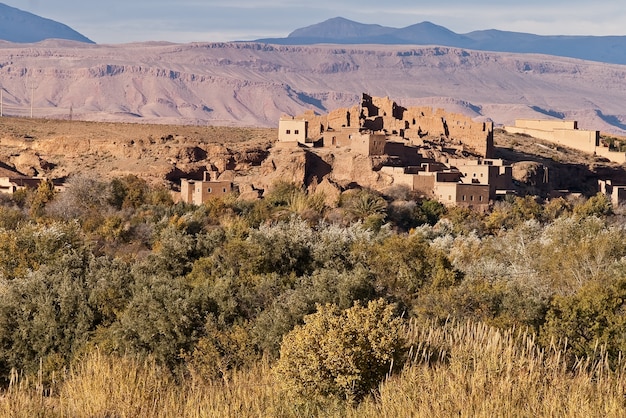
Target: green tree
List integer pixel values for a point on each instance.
(44, 194)
(364, 205)
(45, 316)
(598, 205)
(344, 354)
(596, 314)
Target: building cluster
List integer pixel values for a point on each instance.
(459, 182)
(13, 183)
(379, 127)
(401, 140)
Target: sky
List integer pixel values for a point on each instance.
(123, 21)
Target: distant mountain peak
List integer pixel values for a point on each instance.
(339, 27)
(23, 27)
(339, 30)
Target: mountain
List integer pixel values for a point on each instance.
(610, 49)
(19, 26)
(253, 84)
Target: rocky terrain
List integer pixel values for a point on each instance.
(252, 84)
(158, 153)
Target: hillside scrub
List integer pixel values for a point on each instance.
(205, 301)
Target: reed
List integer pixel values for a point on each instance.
(455, 369)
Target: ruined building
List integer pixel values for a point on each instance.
(378, 123)
(396, 140)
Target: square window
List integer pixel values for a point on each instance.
(296, 132)
(288, 131)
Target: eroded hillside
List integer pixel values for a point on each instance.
(252, 84)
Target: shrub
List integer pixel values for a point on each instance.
(342, 354)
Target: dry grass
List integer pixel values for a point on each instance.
(467, 370)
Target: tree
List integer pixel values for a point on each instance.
(593, 315)
(44, 194)
(345, 354)
(45, 316)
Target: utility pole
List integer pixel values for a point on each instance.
(32, 97)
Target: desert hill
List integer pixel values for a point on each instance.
(19, 26)
(338, 30)
(252, 84)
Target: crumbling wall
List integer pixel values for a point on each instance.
(381, 114)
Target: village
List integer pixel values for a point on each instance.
(381, 145)
(437, 155)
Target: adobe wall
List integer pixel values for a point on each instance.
(399, 176)
(472, 195)
(186, 190)
(424, 183)
(198, 192)
(465, 195)
(562, 133)
(546, 124)
(615, 156)
(585, 141)
(445, 192)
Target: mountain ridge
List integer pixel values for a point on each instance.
(609, 49)
(23, 27)
(253, 84)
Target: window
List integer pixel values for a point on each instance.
(209, 190)
(288, 131)
(463, 198)
(480, 198)
(224, 189)
(296, 132)
(449, 197)
(472, 198)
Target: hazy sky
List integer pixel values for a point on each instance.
(121, 21)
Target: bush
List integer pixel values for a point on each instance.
(343, 354)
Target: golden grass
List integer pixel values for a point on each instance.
(466, 370)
